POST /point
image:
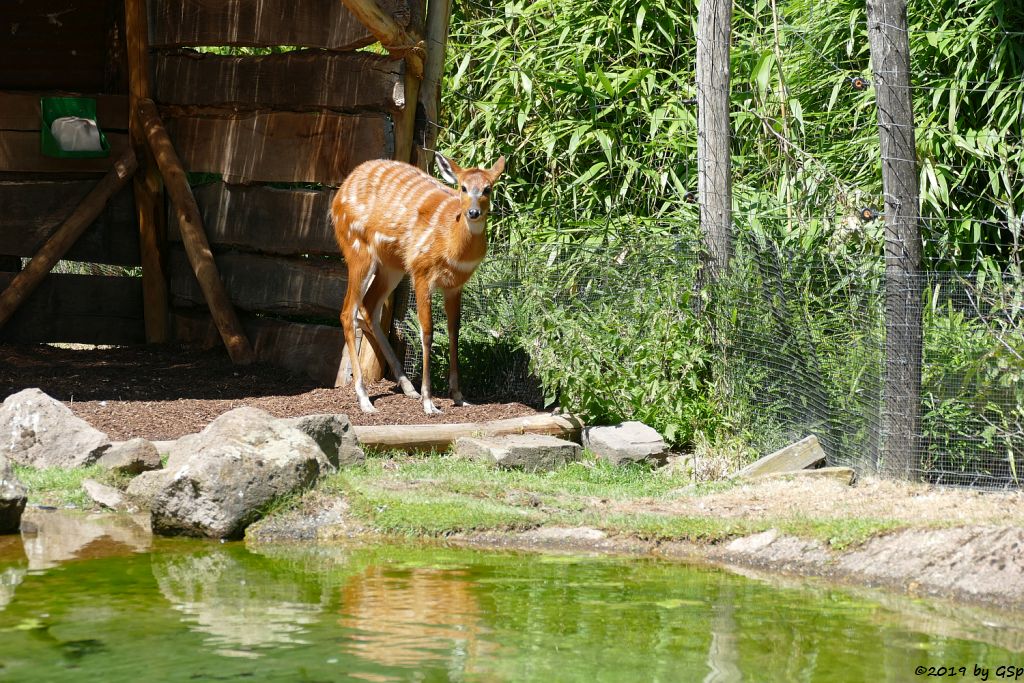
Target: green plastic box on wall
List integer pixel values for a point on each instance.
(53, 108)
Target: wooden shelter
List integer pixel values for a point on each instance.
(222, 234)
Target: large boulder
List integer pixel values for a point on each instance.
(42, 432)
(626, 443)
(12, 499)
(334, 435)
(221, 479)
(529, 452)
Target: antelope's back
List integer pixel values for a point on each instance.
(386, 197)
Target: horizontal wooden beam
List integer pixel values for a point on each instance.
(265, 219)
(304, 23)
(19, 153)
(33, 210)
(21, 110)
(438, 437)
(292, 80)
(282, 147)
(266, 284)
(25, 282)
(796, 456)
(82, 309)
(191, 227)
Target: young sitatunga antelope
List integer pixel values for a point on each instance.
(391, 218)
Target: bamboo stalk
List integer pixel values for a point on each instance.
(25, 282)
(193, 237)
(392, 37)
(149, 195)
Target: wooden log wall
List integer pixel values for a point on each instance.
(267, 138)
(66, 47)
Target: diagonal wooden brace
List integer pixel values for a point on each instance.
(197, 247)
(393, 37)
(25, 282)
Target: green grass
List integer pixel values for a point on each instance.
(60, 487)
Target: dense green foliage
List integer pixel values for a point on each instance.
(593, 103)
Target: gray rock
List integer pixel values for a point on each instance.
(334, 435)
(12, 499)
(625, 443)
(131, 457)
(40, 431)
(143, 489)
(222, 478)
(104, 495)
(530, 452)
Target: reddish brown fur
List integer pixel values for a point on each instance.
(391, 218)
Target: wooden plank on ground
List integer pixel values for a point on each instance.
(265, 284)
(796, 456)
(304, 23)
(84, 309)
(843, 475)
(293, 80)
(19, 152)
(33, 210)
(438, 437)
(265, 219)
(283, 147)
(20, 110)
(312, 350)
(55, 44)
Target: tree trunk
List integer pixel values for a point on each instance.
(714, 180)
(901, 413)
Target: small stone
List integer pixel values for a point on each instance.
(104, 495)
(334, 435)
(529, 452)
(625, 443)
(131, 457)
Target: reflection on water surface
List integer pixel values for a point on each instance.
(95, 597)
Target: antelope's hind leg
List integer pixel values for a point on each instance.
(453, 311)
(384, 284)
(359, 274)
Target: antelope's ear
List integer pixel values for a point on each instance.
(497, 169)
(449, 169)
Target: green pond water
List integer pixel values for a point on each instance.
(89, 598)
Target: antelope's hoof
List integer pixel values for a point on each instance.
(367, 407)
(430, 409)
(461, 402)
(408, 389)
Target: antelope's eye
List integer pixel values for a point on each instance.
(464, 189)
(487, 191)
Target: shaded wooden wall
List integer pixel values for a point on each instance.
(266, 139)
(54, 47)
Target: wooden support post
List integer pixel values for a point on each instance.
(901, 411)
(392, 37)
(149, 195)
(439, 13)
(193, 237)
(714, 179)
(25, 282)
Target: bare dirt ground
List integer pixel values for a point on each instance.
(915, 504)
(164, 392)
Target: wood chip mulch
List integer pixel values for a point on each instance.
(164, 392)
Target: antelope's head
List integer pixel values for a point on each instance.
(474, 189)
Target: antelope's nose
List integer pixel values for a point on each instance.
(473, 214)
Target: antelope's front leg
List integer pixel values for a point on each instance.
(426, 340)
(453, 311)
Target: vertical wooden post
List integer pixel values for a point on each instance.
(901, 412)
(439, 15)
(149, 196)
(714, 179)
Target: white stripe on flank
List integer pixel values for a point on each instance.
(381, 238)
